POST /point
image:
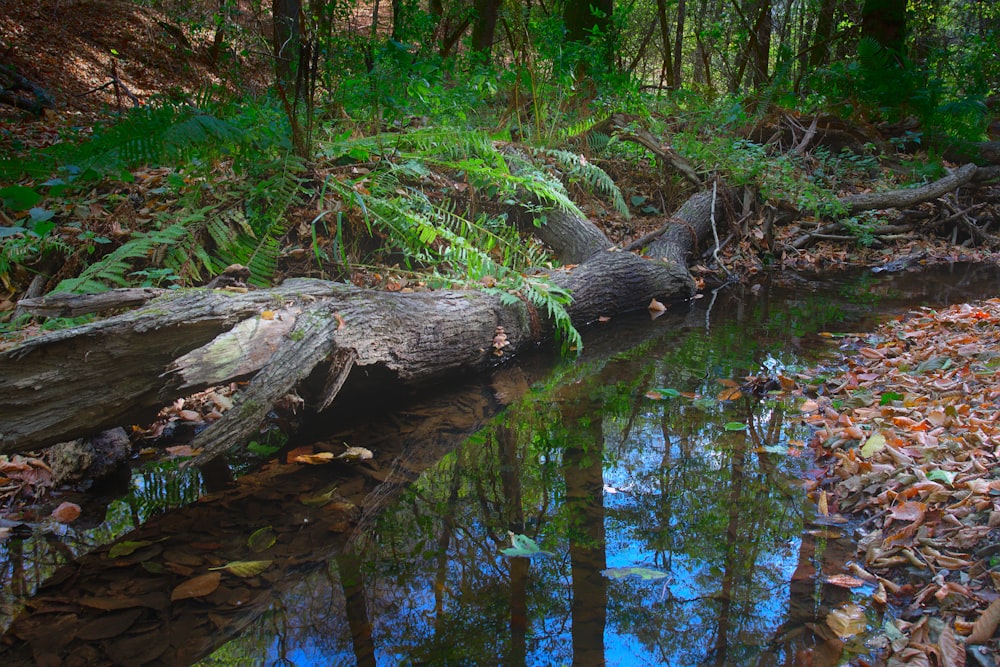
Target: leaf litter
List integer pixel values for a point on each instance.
(909, 437)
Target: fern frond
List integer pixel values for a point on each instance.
(236, 242)
(112, 269)
(593, 177)
(576, 129)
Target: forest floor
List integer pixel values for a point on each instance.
(907, 428)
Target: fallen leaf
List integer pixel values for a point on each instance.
(262, 539)
(655, 306)
(523, 546)
(318, 458)
(197, 587)
(66, 512)
(847, 621)
(644, 573)
(355, 454)
(874, 444)
(952, 651)
(245, 568)
(985, 625)
(844, 581)
(126, 548)
(730, 394)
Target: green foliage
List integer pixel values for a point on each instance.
(880, 86)
(113, 269)
(861, 226)
(429, 230)
(743, 162)
(205, 228)
(578, 169)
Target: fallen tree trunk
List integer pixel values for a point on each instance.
(122, 369)
(903, 198)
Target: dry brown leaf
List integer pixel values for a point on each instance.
(986, 624)
(66, 512)
(318, 458)
(730, 394)
(847, 620)
(844, 581)
(951, 650)
(196, 587)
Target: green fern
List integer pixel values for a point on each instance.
(593, 177)
(237, 243)
(112, 269)
(441, 238)
(148, 135)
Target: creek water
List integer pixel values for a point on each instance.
(664, 512)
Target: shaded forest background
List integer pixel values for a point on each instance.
(382, 143)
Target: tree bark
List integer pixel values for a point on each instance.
(484, 28)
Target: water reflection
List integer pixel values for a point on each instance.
(580, 460)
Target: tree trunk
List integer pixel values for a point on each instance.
(762, 45)
(885, 22)
(484, 29)
(824, 30)
(587, 18)
(679, 43)
(285, 41)
(667, 66)
(124, 368)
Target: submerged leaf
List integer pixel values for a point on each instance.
(523, 546)
(196, 587)
(126, 548)
(245, 568)
(660, 393)
(644, 573)
(66, 512)
(847, 621)
(262, 539)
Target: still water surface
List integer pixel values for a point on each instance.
(671, 531)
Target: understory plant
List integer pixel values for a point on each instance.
(224, 179)
(456, 230)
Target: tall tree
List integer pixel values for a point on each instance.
(286, 36)
(824, 31)
(585, 19)
(484, 28)
(885, 22)
(679, 42)
(667, 68)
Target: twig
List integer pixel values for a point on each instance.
(810, 133)
(715, 232)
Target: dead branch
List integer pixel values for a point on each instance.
(618, 125)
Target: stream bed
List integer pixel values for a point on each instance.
(657, 513)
